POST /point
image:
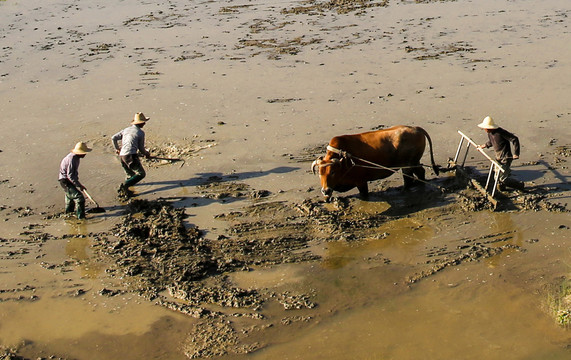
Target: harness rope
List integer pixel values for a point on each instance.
(345, 154)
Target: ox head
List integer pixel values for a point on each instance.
(330, 171)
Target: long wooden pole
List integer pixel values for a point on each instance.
(482, 151)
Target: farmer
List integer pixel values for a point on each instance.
(500, 140)
(132, 142)
(69, 180)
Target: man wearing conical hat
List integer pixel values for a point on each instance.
(500, 140)
(132, 141)
(69, 180)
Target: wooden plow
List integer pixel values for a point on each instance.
(495, 169)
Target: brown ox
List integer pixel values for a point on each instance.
(352, 160)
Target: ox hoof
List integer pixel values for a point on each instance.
(329, 199)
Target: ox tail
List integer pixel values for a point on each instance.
(435, 167)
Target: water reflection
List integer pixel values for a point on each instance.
(467, 322)
(397, 240)
(77, 248)
(502, 223)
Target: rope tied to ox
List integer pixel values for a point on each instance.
(345, 154)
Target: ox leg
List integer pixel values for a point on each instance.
(408, 178)
(363, 190)
(420, 172)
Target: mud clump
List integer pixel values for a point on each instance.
(295, 302)
(218, 189)
(158, 256)
(472, 201)
(535, 198)
(539, 201)
(468, 250)
(156, 251)
(222, 294)
(10, 354)
(154, 248)
(215, 338)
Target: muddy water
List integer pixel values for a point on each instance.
(367, 308)
(77, 71)
(433, 322)
(471, 311)
(53, 304)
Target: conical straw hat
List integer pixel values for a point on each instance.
(488, 123)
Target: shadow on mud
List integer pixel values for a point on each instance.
(400, 201)
(156, 254)
(525, 194)
(404, 202)
(205, 179)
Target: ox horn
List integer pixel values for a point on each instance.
(315, 164)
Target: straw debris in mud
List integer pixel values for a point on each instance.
(339, 6)
(559, 301)
(169, 151)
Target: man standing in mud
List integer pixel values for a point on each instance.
(132, 142)
(500, 140)
(69, 180)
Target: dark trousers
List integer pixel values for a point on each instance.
(133, 169)
(74, 199)
(506, 164)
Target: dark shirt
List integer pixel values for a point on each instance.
(500, 140)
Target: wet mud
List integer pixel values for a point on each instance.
(338, 6)
(154, 251)
(170, 152)
(161, 257)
